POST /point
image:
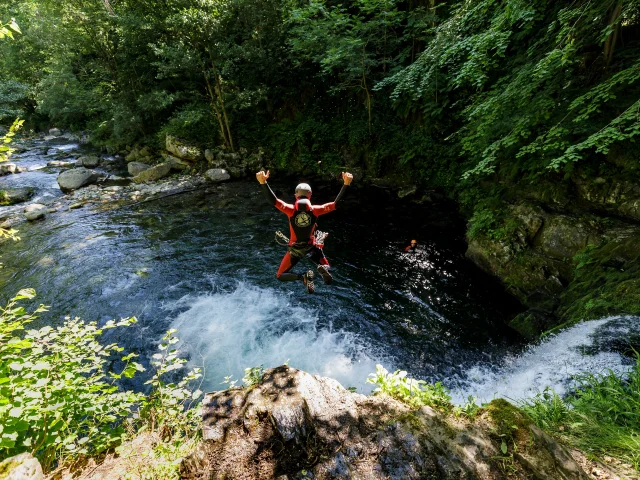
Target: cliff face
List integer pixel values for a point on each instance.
(572, 248)
(293, 425)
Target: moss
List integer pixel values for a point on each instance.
(509, 421)
(606, 282)
(6, 468)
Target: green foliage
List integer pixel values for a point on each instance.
(8, 29)
(5, 141)
(56, 397)
(59, 400)
(470, 409)
(253, 376)
(601, 417)
(413, 392)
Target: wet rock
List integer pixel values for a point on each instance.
(614, 195)
(21, 467)
(21, 169)
(7, 168)
(35, 211)
(217, 175)
(89, 161)
(76, 178)
(135, 168)
(61, 164)
(180, 149)
(56, 132)
(17, 195)
(76, 205)
(52, 151)
(152, 174)
(295, 425)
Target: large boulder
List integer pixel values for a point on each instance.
(76, 178)
(35, 211)
(89, 161)
(6, 168)
(217, 175)
(179, 149)
(176, 163)
(294, 425)
(16, 195)
(152, 174)
(21, 467)
(563, 236)
(55, 132)
(135, 168)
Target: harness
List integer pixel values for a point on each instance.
(319, 236)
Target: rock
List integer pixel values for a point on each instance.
(137, 167)
(17, 195)
(21, 467)
(563, 236)
(76, 205)
(89, 161)
(61, 164)
(179, 149)
(217, 175)
(311, 424)
(35, 211)
(48, 138)
(176, 163)
(406, 191)
(209, 156)
(237, 172)
(144, 152)
(21, 169)
(152, 174)
(6, 168)
(52, 151)
(76, 178)
(55, 132)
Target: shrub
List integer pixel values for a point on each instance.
(416, 393)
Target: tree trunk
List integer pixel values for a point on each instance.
(610, 42)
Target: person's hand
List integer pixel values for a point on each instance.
(347, 178)
(262, 177)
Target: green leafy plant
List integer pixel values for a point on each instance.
(57, 398)
(414, 392)
(470, 409)
(253, 376)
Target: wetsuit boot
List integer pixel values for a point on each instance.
(323, 270)
(307, 279)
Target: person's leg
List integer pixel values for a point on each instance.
(323, 264)
(284, 275)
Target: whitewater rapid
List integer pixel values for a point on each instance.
(230, 329)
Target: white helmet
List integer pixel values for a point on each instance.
(303, 190)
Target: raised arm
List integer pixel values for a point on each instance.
(347, 178)
(268, 193)
(271, 197)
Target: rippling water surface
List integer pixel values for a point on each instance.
(204, 263)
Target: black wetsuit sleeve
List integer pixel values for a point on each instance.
(341, 194)
(269, 195)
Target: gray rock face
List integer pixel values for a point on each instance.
(35, 211)
(76, 178)
(135, 168)
(176, 163)
(217, 175)
(55, 132)
(18, 195)
(152, 174)
(179, 149)
(311, 424)
(89, 161)
(21, 467)
(7, 168)
(563, 236)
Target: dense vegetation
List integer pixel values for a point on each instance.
(454, 91)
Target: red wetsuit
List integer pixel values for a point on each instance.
(302, 225)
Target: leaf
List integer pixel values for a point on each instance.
(503, 447)
(14, 26)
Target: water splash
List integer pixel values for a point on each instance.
(584, 348)
(247, 326)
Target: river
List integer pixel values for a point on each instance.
(204, 263)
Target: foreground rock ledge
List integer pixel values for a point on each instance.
(294, 425)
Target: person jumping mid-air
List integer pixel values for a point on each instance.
(302, 225)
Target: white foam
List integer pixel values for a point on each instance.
(553, 363)
(247, 326)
